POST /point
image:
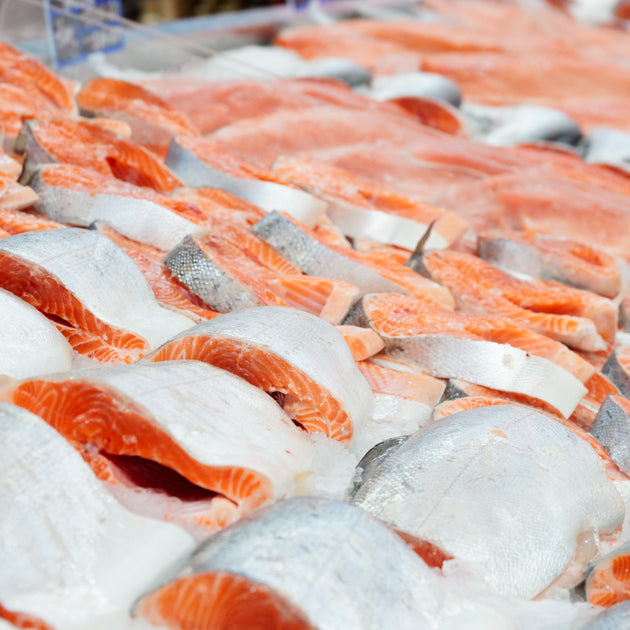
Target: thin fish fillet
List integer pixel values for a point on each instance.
(553, 258)
(335, 183)
(488, 351)
(80, 196)
(578, 318)
(83, 143)
(552, 486)
(80, 558)
(22, 70)
(284, 350)
(167, 289)
(90, 289)
(306, 579)
(153, 122)
(212, 428)
(380, 57)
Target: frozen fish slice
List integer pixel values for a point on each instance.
(198, 162)
(617, 369)
(31, 344)
(550, 258)
(153, 122)
(306, 580)
(79, 196)
(90, 289)
(317, 258)
(87, 144)
(554, 495)
(285, 351)
(439, 342)
(167, 289)
(348, 195)
(80, 557)
(16, 222)
(232, 444)
(578, 318)
(608, 580)
(363, 342)
(612, 429)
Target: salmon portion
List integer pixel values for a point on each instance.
(22, 70)
(153, 122)
(363, 342)
(220, 601)
(449, 407)
(22, 620)
(578, 318)
(91, 146)
(86, 333)
(608, 582)
(303, 399)
(16, 222)
(336, 183)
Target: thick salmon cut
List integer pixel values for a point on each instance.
(580, 319)
(409, 218)
(90, 289)
(363, 342)
(314, 256)
(503, 455)
(552, 258)
(83, 143)
(24, 71)
(283, 351)
(370, 582)
(153, 122)
(29, 220)
(80, 558)
(147, 425)
(489, 351)
(608, 579)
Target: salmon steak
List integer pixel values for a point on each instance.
(315, 378)
(90, 289)
(193, 457)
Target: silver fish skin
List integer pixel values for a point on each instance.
(508, 126)
(612, 430)
(605, 145)
(139, 219)
(494, 365)
(269, 196)
(418, 84)
(615, 371)
(615, 618)
(514, 256)
(34, 153)
(315, 259)
(106, 281)
(532, 482)
(374, 458)
(345, 70)
(371, 581)
(78, 557)
(31, 344)
(205, 276)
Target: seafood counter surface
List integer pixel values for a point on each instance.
(344, 348)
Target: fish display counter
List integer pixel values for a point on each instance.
(315, 317)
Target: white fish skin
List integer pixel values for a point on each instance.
(30, 343)
(605, 145)
(217, 418)
(138, 219)
(101, 276)
(419, 84)
(495, 365)
(371, 581)
(316, 259)
(71, 554)
(537, 486)
(269, 196)
(312, 345)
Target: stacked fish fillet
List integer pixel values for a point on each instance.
(219, 297)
